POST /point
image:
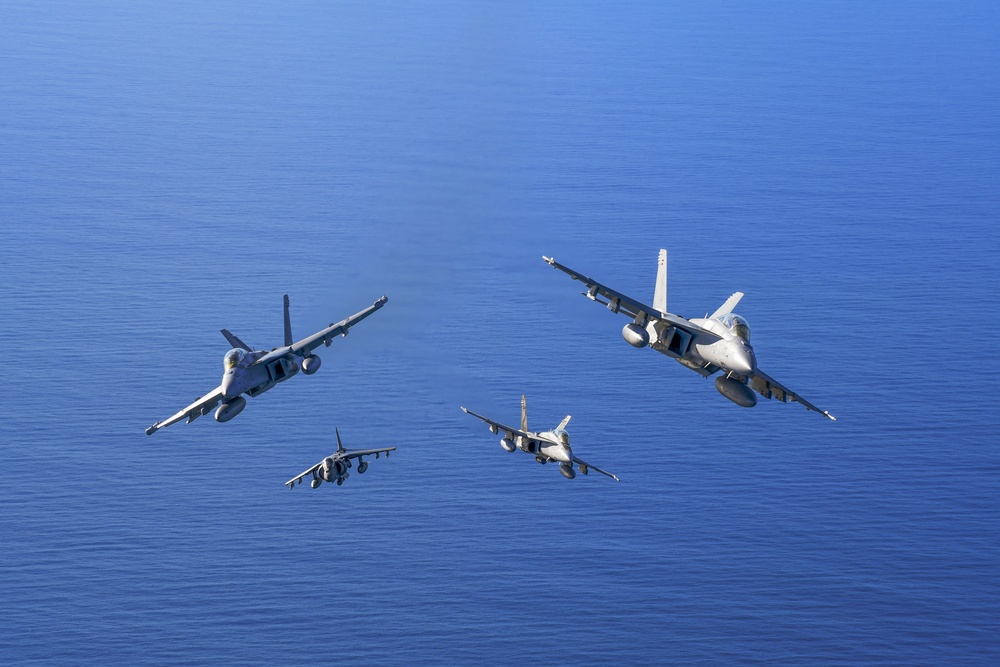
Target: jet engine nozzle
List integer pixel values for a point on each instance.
(635, 335)
(230, 409)
(311, 364)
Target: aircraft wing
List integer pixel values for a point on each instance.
(202, 406)
(498, 425)
(618, 302)
(768, 387)
(355, 453)
(583, 463)
(307, 345)
(295, 480)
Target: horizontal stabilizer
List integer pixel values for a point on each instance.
(234, 341)
(728, 306)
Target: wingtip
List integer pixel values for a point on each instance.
(829, 416)
(548, 260)
(153, 428)
(464, 409)
(382, 301)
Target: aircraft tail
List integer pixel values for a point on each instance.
(524, 414)
(234, 341)
(288, 325)
(564, 423)
(660, 295)
(728, 306)
(340, 445)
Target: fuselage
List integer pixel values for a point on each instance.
(731, 352)
(551, 445)
(254, 372)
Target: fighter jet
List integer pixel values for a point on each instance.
(546, 446)
(717, 342)
(334, 467)
(248, 371)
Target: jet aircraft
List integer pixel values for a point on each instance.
(255, 371)
(546, 446)
(334, 467)
(717, 342)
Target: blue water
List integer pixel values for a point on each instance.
(167, 170)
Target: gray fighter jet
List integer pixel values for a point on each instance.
(718, 342)
(334, 467)
(247, 371)
(546, 446)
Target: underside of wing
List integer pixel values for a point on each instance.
(496, 427)
(585, 467)
(621, 303)
(200, 407)
(326, 336)
(768, 387)
(295, 480)
(355, 453)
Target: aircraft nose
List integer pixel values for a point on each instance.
(229, 389)
(744, 360)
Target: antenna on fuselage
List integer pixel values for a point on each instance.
(288, 325)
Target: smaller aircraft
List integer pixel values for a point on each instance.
(546, 446)
(334, 467)
(252, 372)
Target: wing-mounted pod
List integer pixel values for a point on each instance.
(311, 364)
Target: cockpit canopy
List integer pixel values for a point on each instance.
(233, 357)
(737, 326)
(563, 436)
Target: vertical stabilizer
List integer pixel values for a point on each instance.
(660, 295)
(524, 414)
(288, 325)
(340, 445)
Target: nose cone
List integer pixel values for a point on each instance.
(743, 360)
(229, 387)
(566, 454)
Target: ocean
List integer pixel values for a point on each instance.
(171, 169)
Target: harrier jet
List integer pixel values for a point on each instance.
(247, 371)
(719, 342)
(546, 446)
(334, 467)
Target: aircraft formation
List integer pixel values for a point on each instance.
(716, 344)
